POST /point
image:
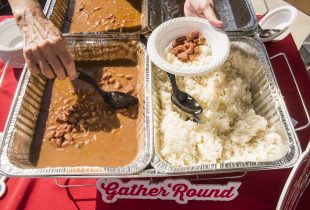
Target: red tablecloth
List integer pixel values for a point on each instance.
(259, 190)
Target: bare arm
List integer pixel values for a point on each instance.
(44, 46)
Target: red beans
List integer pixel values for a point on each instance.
(69, 128)
(58, 142)
(60, 133)
(183, 47)
(117, 85)
(86, 115)
(183, 56)
(51, 134)
(111, 81)
(68, 137)
(65, 144)
(62, 118)
(72, 120)
(193, 35)
(53, 141)
(191, 48)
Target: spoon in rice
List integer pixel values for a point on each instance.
(184, 101)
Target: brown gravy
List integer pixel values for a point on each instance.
(111, 138)
(106, 15)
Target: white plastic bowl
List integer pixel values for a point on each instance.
(168, 31)
(281, 18)
(11, 44)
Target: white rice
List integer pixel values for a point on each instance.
(230, 132)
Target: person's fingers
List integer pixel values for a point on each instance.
(68, 63)
(44, 66)
(32, 67)
(203, 9)
(46, 69)
(30, 62)
(211, 17)
(65, 59)
(201, 15)
(189, 11)
(53, 60)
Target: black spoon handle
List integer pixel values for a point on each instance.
(173, 82)
(259, 27)
(86, 78)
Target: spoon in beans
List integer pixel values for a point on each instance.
(115, 99)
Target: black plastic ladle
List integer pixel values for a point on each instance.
(115, 99)
(182, 100)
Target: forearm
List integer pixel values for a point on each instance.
(44, 47)
(18, 7)
(25, 10)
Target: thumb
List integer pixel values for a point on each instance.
(211, 17)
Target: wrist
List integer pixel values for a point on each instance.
(24, 16)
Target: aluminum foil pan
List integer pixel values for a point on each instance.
(60, 11)
(21, 126)
(238, 16)
(267, 102)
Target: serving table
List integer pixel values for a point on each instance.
(258, 190)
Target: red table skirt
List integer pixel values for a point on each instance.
(259, 190)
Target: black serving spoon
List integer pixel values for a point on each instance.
(115, 99)
(182, 100)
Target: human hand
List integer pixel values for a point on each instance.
(44, 46)
(203, 9)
